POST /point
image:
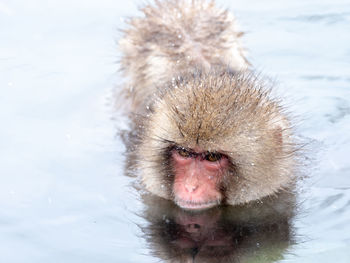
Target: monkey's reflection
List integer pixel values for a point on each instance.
(260, 232)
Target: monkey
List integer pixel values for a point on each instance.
(205, 130)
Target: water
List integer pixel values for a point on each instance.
(63, 195)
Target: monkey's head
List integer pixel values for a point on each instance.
(215, 138)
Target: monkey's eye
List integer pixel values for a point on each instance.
(213, 157)
(183, 152)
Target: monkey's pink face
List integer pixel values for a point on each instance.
(198, 176)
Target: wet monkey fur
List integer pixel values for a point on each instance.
(174, 38)
(206, 130)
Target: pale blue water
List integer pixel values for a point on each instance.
(63, 196)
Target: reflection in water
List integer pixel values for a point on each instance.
(260, 232)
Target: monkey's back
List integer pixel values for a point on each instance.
(174, 38)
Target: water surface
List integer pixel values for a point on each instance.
(63, 194)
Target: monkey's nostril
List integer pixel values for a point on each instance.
(191, 188)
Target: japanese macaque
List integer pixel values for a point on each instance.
(206, 130)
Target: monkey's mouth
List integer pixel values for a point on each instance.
(192, 205)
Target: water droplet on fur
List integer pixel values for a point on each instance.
(252, 164)
(179, 36)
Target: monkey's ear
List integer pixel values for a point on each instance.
(277, 134)
(280, 130)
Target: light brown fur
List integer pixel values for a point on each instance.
(174, 37)
(221, 112)
(208, 100)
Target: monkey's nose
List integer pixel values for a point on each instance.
(191, 188)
